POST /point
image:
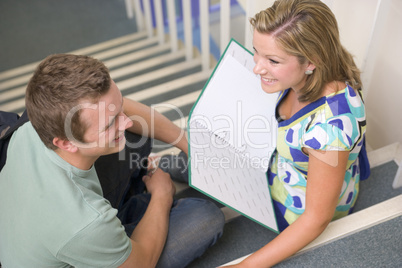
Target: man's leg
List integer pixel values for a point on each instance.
(195, 225)
(176, 166)
(132, 212)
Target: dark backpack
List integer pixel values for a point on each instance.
(9, 122)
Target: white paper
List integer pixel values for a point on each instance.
(232, 134)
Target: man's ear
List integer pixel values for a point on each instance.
(65, 145)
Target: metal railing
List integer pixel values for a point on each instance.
(161, 18)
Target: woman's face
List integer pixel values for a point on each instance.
(277, 69)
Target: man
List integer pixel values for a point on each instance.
(53, 210)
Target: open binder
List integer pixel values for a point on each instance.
(232, 134)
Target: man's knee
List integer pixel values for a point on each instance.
(211, 212)
(205, 216)
(195, 225)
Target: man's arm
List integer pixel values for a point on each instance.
(149, 237)
(150, 123)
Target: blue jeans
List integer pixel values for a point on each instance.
(194, 224)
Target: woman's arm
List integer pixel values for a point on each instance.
(325, 179)
(150, 123)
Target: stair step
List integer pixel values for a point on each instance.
(137, 56)
(185, 81)
(8, 92)
(181, 101)
(145, 65)
(14, 82)
(133, 83)
(111, 43)
(29, 68)
(135, 46)
(352, 224)
(136, 63)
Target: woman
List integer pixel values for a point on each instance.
(315, 172)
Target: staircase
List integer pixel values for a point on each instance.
(141, 68)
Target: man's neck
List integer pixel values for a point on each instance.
(76, 159)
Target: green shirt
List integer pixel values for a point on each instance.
(53, 214)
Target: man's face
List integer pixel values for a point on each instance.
(105, 124)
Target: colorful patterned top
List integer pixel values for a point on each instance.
(336, 122)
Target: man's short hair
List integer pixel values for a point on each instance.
(59, 84)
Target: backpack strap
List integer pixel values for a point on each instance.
(11, 122)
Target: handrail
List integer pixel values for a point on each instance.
(188, 34)
(148, 18)
(139, 18)
(172, 25)
(194, 19)
(159, 22)
(250, 7)
(129, 9)
(225, 24)
(204, 25)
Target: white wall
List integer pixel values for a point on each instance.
(384, 67)
(355, 20)
(371, 31)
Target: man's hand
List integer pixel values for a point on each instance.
(159, 183)
(149, 237)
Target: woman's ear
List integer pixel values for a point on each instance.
(310, 67)
(65, 145)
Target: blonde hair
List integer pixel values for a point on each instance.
(308, 30)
